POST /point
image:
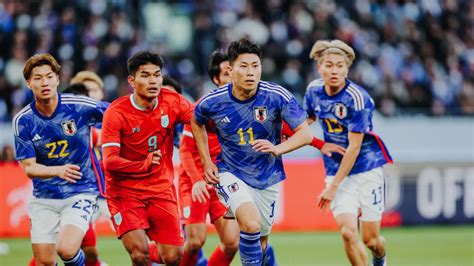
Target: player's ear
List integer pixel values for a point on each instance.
(131, 81)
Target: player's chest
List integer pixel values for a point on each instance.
(333, 116)
(139, 127)
(58, 136)
(255, 119)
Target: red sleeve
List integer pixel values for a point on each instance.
(186, 109)
(111, 141)
(96, 141)
(187, 152)
(287, 131)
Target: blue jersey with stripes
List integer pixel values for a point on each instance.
(63, 138)
(348, 111)
(238, 123)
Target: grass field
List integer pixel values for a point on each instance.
(446, 245)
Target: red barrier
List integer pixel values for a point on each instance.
(297, 209)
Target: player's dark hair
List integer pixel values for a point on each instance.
(40, 60)
(215, 59)
(142, 58)
(243, 46)
(76, 88)
(169, 81)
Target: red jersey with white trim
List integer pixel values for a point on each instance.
(130, 134)
(189, 154)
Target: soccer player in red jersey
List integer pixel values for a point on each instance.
(137, 143)
(197, 198)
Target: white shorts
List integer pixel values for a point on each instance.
(47, 216)
(102, 210)
(364, 191)
(233, 192)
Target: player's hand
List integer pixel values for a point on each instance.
(155, 157)
(69, 172)
(325, 198)
(199, 192)
(211, 173)
(263, 145)
(329, 148)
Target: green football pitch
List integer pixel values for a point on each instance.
(429, 245)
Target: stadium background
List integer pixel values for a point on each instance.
(416, 59)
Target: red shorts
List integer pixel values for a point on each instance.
(194, 212)
(89, 239)
(158, 216)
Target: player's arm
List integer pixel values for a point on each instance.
(200, 137)
(300, 138)
(68, 172)
(348, 160)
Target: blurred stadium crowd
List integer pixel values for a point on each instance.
(414, 57)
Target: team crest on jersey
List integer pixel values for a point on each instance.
(165, 120)
(233, 187)
(118, 218)
(69, 127)
(260, 113)
(340, 110)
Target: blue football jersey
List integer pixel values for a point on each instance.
(238, 123)
(348, 111)
(62, 138)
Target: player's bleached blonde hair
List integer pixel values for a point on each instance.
(87, 75)
(322, 48)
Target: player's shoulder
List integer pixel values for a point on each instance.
(358, 95)
(21, 117)
(315, 86)
(121, 102)
(79, 100)
(214, 95)
(275, 90)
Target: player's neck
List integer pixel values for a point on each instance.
(145, 103)
(331, 91)
(47, 107)
(241, 93)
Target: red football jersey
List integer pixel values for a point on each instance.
(189, 154)
(130, 134)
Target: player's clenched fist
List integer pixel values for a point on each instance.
(154, 157)
(69, 172)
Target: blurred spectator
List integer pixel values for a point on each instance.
(7, 154)
(413, 56)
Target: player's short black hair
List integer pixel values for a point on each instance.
(143, 58)
(169, 81)
(215, 59)
(77, 88)
(243, 46)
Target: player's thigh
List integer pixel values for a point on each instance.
(45, 254)
(372, 194)
(196, 233)
(369, 230)
(163, 218)
(228, 231)
(232, 191)
(77, 211)
(45, 215)
(346, 199)
(266, 201)
(127, 214)
(135, 241)
(69, 239)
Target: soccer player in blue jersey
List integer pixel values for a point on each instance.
(247, 115)
(354, 181)
(52, 138)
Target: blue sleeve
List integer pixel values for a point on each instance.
(293, 113)
(200, 112)
(98, 113)
(360, 120)
(309, 103)
(23, 143)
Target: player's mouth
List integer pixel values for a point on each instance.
(45, 92)
(249, 81)
(334, 79)
(153, 90)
